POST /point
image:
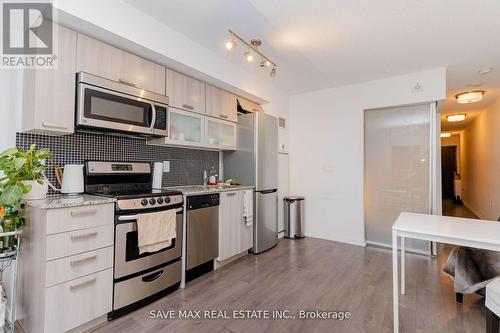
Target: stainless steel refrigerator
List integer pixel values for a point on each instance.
(255, 162)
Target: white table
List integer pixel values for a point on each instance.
(443, 229)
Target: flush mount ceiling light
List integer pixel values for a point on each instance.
(445, 134)
(470, 96)
(456, 117)
(253, 47)
(485, 71)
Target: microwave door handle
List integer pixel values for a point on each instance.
(153, 118)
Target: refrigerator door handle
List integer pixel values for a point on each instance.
(267, 191)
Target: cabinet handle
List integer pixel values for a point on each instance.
(231, 193)
(187, 106)
(128, 83)
(83, 212)
(50, 125)
(225, 116)
(255, 110)
(80, 261)
(87, 235)
(81, 284)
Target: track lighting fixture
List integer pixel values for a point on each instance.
(248, 56)
(230, 44)
(253, 48)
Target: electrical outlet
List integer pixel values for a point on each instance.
(166, 166)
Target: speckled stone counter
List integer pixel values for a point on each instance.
(200, 189)
(64, 201)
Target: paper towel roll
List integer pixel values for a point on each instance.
(157, 175)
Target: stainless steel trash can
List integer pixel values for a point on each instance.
(294, 218)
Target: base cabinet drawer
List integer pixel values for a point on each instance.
(71, 304)
(75, 242)
(73, 267)
(74, 218)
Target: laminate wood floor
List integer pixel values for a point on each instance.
(312, 274)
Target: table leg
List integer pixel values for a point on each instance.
(403, 259)
(395, 302)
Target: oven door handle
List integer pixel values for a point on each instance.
(134, 217)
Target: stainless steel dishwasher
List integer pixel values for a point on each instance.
(202, 239)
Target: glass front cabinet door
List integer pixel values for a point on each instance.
(186, 127)
(221, 134)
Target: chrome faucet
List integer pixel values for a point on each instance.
(205, 177)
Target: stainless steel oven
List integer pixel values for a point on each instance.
(127, 258)
(103, 103)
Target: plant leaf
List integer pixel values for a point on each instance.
(19, 163)
(9, 152)
(11, 195)
(26, 188)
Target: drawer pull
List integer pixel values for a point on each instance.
(82, 284)
(83, 212)
(81, 261)
(255, 110)
(225, 116)
(231, 193)
(128, 83)
(152, 277)
(81, 236)
(187, 106)
(50, 125)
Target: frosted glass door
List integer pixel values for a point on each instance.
(185, 126)
(397, 169)
(221, 133)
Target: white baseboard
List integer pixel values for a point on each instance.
(409, 250)
(473, 210)
(338, 239)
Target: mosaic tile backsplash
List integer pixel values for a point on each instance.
(186, 165)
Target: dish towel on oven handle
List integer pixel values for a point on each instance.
(248, 207)
(155, 231)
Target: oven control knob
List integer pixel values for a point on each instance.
(167, 200)
(159, 201)
(144, 202)
(152, 201)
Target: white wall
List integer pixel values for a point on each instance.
(481, 176)
(326, 136)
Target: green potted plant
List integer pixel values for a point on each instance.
(23, 175)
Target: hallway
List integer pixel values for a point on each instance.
(452, 209)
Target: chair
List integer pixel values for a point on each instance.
(492, 306)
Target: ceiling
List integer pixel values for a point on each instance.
(327, 43)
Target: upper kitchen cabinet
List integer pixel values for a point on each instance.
(221, 104)
(101, 59)
(185, 92)
(49, 94)
(248, 105)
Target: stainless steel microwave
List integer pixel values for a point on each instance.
(107, 104)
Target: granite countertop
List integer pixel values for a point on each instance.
(63, 201)
(200, 189)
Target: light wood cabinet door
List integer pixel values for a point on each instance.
(101, 59)
(221, 104)
(71, 304)
(246, 230)
(249, 105)
(229, 231)
(185, 92)
(49, 94)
